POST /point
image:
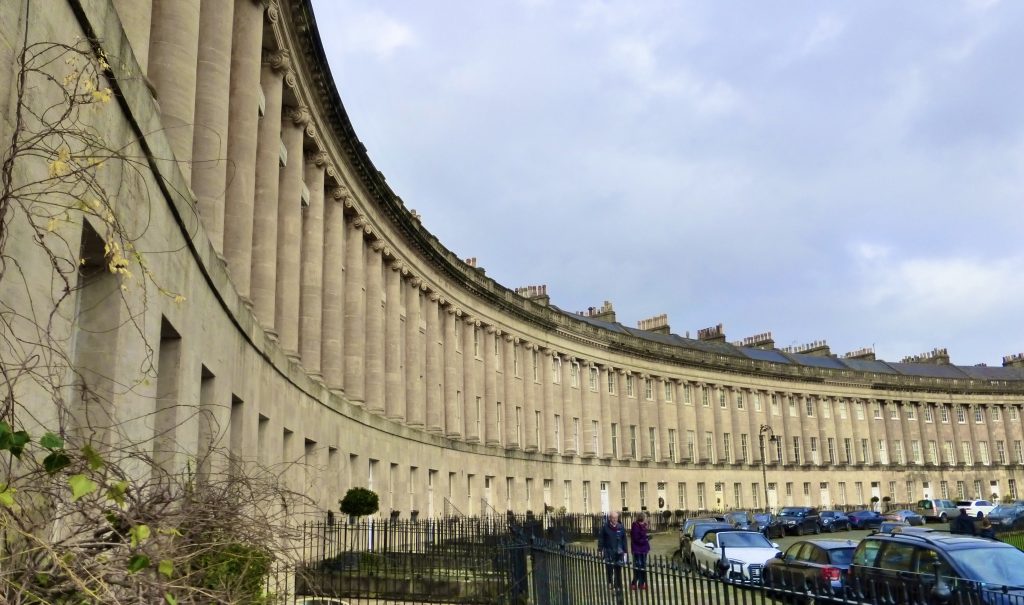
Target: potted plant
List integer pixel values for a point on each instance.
(885, 503)
(414, 514)
(874, 502)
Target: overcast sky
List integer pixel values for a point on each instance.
(847, 171)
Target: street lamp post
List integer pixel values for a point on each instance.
(765, 430)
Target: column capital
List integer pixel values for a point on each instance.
(377, 245)
(319, 158)
(299, 115)
(341, 193)
(279, 60)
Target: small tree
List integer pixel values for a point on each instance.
(885, 503)
(359, 502)
(874, 502)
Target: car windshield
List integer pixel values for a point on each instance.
(1006, 509)
(841, 556)
(792, 512)
(1000, 566)
(763, 518)
(827, 514)
(743, 540)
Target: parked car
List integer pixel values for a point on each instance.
(936, 509)
(695, 532)
(1008, 515)
(770, 525)
(746, 552)
(976, 508)
(740, 519)
(888, 526)
(927, 567)
(818, 565)
(800, 520)
(905, 515)
(833, 520)
(865, 519)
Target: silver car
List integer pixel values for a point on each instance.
(935, 509)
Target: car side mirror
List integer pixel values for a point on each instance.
(780, 554)
(710, 545)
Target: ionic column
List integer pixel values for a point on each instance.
(311, 289)
(243, 114)
(416, 410)
(435, 371)
(509, 374)
(375, 328)
(548, 402)
(136, 20)
(355, 312)
(263, 286)
(289, 230)
(471, 384)
(331, 352)
(394, 390)
(173, 50)
(529, 394)
(663, 422)
(490, 387)
(605, 421)
(452, 420)
(643, 439)
(210, 137)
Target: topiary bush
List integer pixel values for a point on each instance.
(359, 502)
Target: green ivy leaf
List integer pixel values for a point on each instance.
(18, 442)
(80, 486)
(56, 461)
(138, 563)
(7, 495)
(139, 534)
(170, 599)
(94, 459)
(116, 492)
(166, 567)
(51, 442)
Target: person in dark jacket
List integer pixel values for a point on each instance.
(640, 544)
(612, 544)
(962, 524)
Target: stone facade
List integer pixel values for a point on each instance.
(324, 326)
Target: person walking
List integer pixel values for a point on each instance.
(640, 544)
(611, 542)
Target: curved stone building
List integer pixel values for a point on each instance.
(323, 325)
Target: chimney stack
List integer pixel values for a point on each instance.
(712, 334)
(538, 294)
(816, 348)
(763, 340)
(939, 357)
(657, 324)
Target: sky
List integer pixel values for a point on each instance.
(842, 171)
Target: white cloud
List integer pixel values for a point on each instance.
(937, 289)
(375, 33)
(637, 60)
(826, 29)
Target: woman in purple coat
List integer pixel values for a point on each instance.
(641, 545)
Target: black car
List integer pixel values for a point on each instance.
(833, 520)
(865, 519)
(800, 520)
(770, 525)
(816, 565)
(933, 567)
(1007, 516)
(740, 519)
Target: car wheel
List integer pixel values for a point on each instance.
(817, 529)
(942, 518)
(980, 514)
(798, 530)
